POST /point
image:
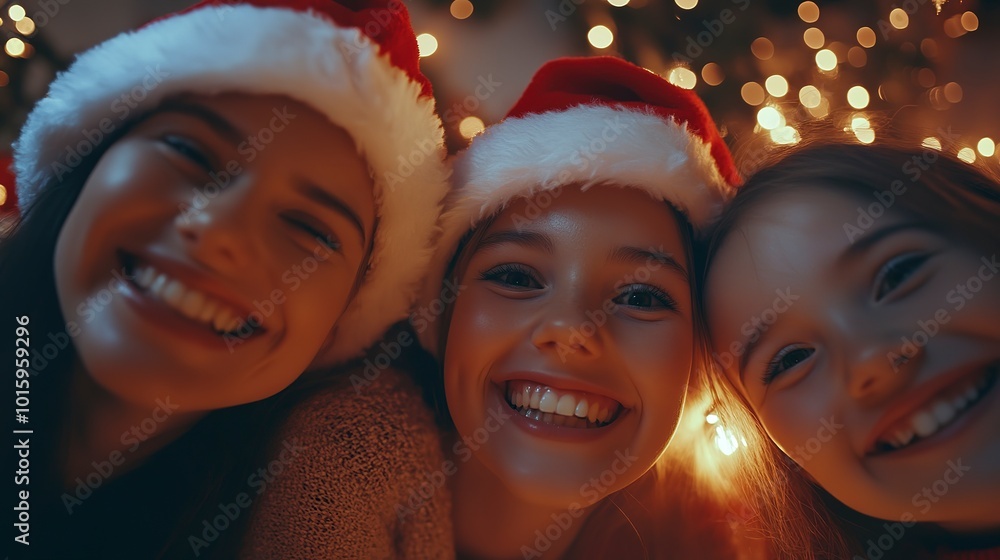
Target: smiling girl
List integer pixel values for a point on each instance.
(876, 373)
(568, 350)
(211, 206)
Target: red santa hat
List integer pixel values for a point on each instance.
(587, 121)
(354, 61)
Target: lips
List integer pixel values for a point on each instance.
(194, 304)
(561, 407)
(933, 414)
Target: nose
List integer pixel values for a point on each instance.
(217, 231)
(566, 329)
(880, 366)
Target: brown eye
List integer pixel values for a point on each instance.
(785, 360)
(897, 271)
(512, 276)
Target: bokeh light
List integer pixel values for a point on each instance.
(858, 97)
(461, 9)
(600, 37)
(987, 147)
(866, 37)
(826, 60)
(808, 12)
(752, 93)
(762, 48)
(427, 44)
(471, 126)
(682, 77)
(712, 74)
(776, 85)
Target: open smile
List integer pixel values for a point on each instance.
(561, 407)
(939, 412)
(193, 304)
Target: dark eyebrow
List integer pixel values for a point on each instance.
(860, 246)
(528, 239)
(326, 199)
(641, 257)
(219, 124)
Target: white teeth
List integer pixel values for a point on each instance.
(566, 405)
(548, 402)
(565, 408)
(145, 277)
(191, 303)
(173, 293)
(157, 286)
(924, 424)
(943, 412)
(536, 398)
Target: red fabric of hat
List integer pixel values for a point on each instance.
(569, 82)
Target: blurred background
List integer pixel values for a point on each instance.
(765, 68)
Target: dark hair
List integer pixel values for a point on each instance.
(955, 198)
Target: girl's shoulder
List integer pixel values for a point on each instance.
(356, 464)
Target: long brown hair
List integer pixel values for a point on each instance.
(960, 200)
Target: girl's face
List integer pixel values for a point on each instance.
(212, 250)
(571, 343)
(869, 351)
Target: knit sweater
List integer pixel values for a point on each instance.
(361, 482)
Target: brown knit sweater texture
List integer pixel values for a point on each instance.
(364, 484)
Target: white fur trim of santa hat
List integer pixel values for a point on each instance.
(240, 48)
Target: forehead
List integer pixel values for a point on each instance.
(604, 215)
(789, 239)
